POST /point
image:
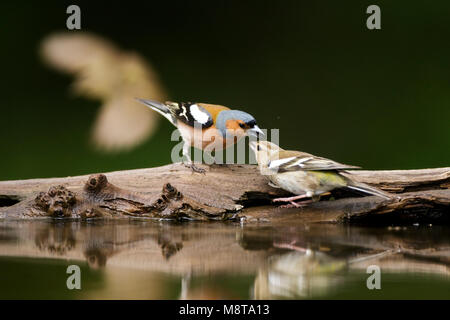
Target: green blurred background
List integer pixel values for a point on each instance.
(379, 99)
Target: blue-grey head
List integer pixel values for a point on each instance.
(237, 123)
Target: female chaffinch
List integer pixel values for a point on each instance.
(205, 126)
(304, 174)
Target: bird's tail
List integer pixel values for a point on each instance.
(159, 107)
(362, 187)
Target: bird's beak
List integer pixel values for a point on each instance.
(255, 131)
(151, 103)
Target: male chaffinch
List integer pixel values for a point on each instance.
(304, 174)
(206, 126)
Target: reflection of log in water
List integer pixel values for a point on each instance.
(224, 192)
(214, 248)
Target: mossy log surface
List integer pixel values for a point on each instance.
(224, 192)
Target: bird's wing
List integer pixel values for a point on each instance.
(122, 123)
(295, 160)
(193, 114)
(100, 68)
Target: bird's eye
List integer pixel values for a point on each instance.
(242, 125)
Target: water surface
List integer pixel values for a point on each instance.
(148, 259)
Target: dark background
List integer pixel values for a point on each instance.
(379, 99)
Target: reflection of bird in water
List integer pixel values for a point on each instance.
(304, 273)
(297, 275)
(203, 290)
(104, 72)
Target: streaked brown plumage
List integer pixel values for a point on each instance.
(304, 174)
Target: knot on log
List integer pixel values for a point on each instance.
(96, 182)
(56, 202)
(171, 192)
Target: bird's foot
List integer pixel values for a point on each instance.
(194, 168)
(293, 204)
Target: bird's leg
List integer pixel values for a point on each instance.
(292, 203)
(189, 164)
(291, 199)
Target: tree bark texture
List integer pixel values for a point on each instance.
(224, 192)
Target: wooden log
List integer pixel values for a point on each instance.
(223, 192)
